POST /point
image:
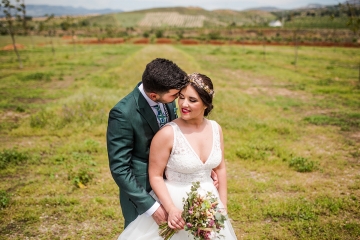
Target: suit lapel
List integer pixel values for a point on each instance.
(145, 110)
(171, 107)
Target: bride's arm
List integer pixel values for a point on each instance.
(160, 150)
(221, 173)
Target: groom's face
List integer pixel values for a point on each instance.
(168, 97)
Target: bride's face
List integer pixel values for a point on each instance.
(190, 104)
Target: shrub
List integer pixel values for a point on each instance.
(159, 33)
(12, 156)
(214, 35)
(19, 109)
(37, 76)
(40, 119)
(81, 178)
(301, 164)
(4, 199)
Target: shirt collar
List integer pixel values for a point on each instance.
(150, 102)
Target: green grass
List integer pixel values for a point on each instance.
(317, 22)
(291, 137)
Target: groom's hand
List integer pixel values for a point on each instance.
(160, 215)
(215, 178)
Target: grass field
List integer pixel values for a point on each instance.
(292, 137)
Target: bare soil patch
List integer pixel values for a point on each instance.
(189, 42)
(60, 84)
(102, 41)
(68, 37)
(216, 42)
(141, 41)
(212, 42)
(11, 47)
(11, 116)
(273, 91)
(355, 135)
(311, 44)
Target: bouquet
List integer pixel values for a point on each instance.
(203, 217)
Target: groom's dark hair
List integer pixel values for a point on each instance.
(161, 75)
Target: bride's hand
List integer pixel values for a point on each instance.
(160, 215)
(175, 221)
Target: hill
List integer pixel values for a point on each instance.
(186, 17)
(313, 16)
(42, 10)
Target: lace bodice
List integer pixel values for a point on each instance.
(184, 165)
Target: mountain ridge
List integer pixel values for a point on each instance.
(43, 9)
(39, 10)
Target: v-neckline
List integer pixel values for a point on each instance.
(192, 149)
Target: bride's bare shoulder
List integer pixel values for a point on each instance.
(165, 133)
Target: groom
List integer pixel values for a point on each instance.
(132, 123)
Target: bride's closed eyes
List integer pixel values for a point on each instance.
(191, 99)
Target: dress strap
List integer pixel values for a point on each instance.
(175, 128)
(216, 134)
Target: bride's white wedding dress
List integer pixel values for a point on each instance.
(183, 168)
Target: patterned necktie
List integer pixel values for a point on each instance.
(160, 116)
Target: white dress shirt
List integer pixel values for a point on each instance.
(156, 205)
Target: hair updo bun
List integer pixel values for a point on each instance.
(204, 87)
(208, 110)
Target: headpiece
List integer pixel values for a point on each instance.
(200, 83)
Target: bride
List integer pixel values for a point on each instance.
(187, 149)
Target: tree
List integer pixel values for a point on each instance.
(51, 30)
(352, 9)
(23, 19)
(11, 13)
(67, 25)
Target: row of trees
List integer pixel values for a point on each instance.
(16, 22)
(14, 12)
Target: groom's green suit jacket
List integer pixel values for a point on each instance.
(131, 126)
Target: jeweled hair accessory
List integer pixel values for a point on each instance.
(200, 83)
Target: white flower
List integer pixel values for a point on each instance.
(202, 192)
(212, 235)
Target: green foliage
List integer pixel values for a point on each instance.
(4, 199)
(301, 164)
(294, 210)
(7, 126)
(319, 119)
(65, 25)
(346, 121)
(37, 76)
(257, 151)
(59, 201)
(214, 35)
(81, 177)
(352, 11)
(109, 213)
(12, 157)
(86, 109)
(41, 118)
(20, 109)
(328, 205)
(159, 33)
(58, 159)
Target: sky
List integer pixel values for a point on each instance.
(131, 5)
